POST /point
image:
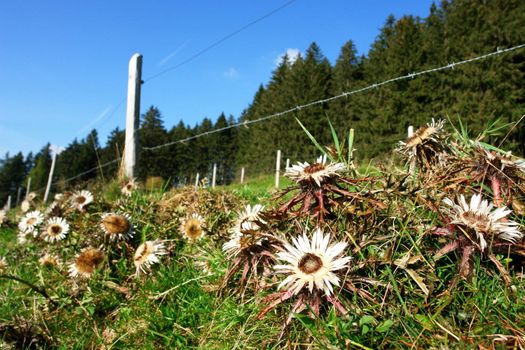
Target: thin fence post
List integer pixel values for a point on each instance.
(412, 165)
(132, 114)
(18, 193)
(214, 175)
(8, 204)
(277, 168)
(197, 180)
(242, 175)
(51, 171)
(287, 163)
(28, 189)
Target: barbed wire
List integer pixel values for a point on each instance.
(499, 51)
(218, 42)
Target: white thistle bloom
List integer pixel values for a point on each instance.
(248, 218)
(479, 216)
(117, 226)
(312, 263)
(316, 172)
(80, 199)
(234, 246)
(55, 230)
(147, 254)
(30, 221)
(193, 227)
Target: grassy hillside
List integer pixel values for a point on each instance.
(416, 271)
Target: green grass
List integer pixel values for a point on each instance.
(177, 306)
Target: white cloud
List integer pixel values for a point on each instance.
(293, 55)
(231, 74)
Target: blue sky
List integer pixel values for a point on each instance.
(63, 64)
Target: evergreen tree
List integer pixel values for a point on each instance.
(40, 172)
(12, 175)
(152, 133)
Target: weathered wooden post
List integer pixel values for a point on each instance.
(412, 165)
(8, 204)
(287, 164)
(28, 188)
(277, 168)
(197, 180)
(242, 175)
(214, 175)
(51, 171)
(132, 115)
(18, 194)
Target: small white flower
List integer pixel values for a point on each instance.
(312, 264)
(317, 172)
(55, 230)
(480, 217)
(147, 254)
(193, 227)
(81, 199)
(30, 221)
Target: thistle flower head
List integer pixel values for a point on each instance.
(312, 264)
(318, 172)
(193, 227)
(147, 254)
(86, 262)
(31, 221)
(478, 216)
(117, 226)
(55, 229)
(81, 199)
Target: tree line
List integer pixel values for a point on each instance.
(477, 93)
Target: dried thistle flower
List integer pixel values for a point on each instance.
(117, 226)
(86, 262)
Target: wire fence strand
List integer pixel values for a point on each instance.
(499, 51)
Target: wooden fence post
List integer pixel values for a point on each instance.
(8, 204)
(28, 188)
(132, 115)
(214, 175)
(18, 194)
(197, 180)
(242, 175)
(287, 164)
(277, 168)
(51, 171)
(410, 131)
